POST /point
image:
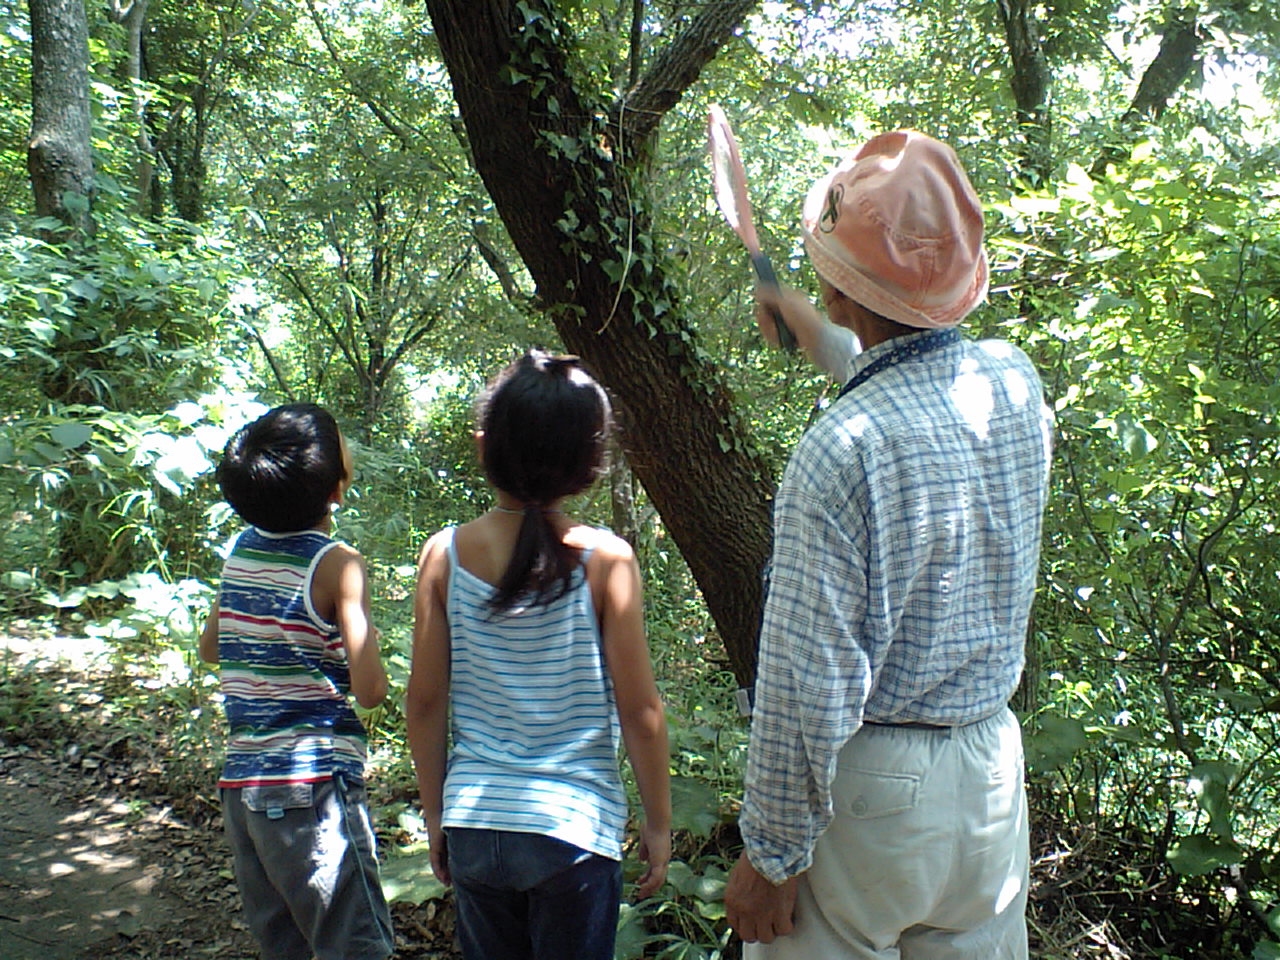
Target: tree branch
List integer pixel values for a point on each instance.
(272, 362)
(506, 279)
(428, 316)
(401, 131)
(677, 66)
(1179, 45)
(304, 291)
(635, 54)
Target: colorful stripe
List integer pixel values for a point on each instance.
(285, 676)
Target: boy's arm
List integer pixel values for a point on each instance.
(343, 576)
(640, 710)
(208, 646)
(829, 347)
(427, 701)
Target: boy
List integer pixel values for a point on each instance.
(291, 630)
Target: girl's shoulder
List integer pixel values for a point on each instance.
(599, 541)
(439, 542)
(433, 561)
(605, 554)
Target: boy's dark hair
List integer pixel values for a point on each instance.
(545, 423)
(279, 472)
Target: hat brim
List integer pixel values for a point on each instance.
(865, 291)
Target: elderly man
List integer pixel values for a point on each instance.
(884, 813)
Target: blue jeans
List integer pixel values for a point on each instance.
(523, 896)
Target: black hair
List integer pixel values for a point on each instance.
(279, 472)
(545, 423)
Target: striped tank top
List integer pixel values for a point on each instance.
(284, 669)
(534, 722)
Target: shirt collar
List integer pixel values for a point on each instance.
(870, 356)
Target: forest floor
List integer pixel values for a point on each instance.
(104, 856)
(97, 859)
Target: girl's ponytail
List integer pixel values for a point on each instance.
(545, 423)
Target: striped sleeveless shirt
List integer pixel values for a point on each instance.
(534, 721)
(285, 677)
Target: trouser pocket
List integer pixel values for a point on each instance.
(274, 799)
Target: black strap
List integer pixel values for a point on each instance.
(933, 340)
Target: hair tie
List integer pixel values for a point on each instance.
(561, 363)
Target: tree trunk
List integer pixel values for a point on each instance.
(622, 500)
(561, 176)
(184, 155)
(59, 157)
(133, 16)
(1030, 80)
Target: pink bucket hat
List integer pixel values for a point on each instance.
(898, 229)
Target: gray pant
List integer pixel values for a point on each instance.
(307, 870)
(928, 855)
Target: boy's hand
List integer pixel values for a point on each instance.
(655, 850)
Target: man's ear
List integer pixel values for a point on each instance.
(478, 439)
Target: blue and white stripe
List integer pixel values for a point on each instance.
(906, 545)
(534, 721)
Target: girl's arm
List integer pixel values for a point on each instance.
(341, 575)
(427, 701)
(640, 710)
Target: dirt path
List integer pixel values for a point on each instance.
(98, 861)
(88, 866)
(84, 874)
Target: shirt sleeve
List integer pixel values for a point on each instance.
(835, 350)
(813, 677)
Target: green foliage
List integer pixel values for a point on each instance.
(15, 97)
(686, 922)
(1149, 305)
(126, 491)
(29, 701)
(327, 154)
(119, 322)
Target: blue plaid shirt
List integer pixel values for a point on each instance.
(906, 545)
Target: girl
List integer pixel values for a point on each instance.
(529, 630)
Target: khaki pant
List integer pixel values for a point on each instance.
(927, 857)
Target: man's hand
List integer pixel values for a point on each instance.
(758, 910)
(828, 346)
